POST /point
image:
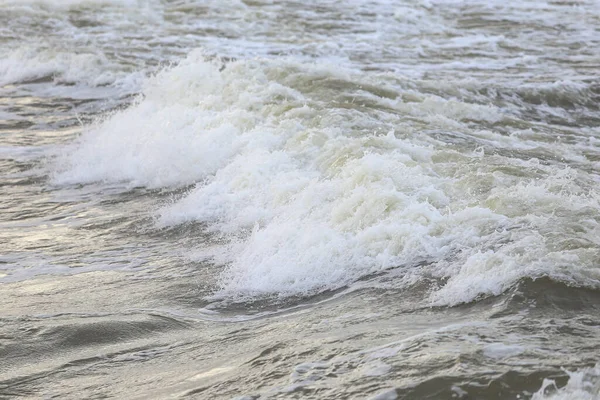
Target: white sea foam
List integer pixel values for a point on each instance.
(314, 195)
(583, 384)
(93, 69)
(71, 3)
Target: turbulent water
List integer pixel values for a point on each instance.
(283, 200)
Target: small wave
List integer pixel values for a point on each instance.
(32, 64)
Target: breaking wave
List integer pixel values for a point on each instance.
(319, 176)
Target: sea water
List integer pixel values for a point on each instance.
(317, 199)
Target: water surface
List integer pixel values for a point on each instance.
(317, 199)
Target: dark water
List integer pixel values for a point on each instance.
(379, 200)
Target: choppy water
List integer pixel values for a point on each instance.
(316, 199)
